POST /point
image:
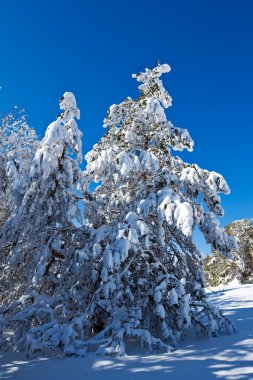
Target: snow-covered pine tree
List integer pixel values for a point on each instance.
(147, 272)
(35, 293)
(18, 143)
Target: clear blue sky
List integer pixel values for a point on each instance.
(92, 48)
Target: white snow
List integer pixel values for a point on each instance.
(184, 217)
(225, 357)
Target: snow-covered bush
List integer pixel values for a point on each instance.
(221, 270)
(147, 269)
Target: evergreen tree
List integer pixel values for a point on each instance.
(41, 234)
(18, 143)
(147, 281)
(133, 270)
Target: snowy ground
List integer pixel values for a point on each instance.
(226, 357)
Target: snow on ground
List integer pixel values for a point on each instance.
(225, 357)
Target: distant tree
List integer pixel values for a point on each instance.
(221, 270)
(41, 237)
(147, 272)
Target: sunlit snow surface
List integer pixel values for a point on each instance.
(226, 357)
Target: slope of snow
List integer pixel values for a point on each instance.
(225, 357)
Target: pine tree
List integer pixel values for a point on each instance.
(147, 281)
(18, 143)
(133, 270)
(42, 236)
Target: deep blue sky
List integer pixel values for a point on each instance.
(92, 48)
